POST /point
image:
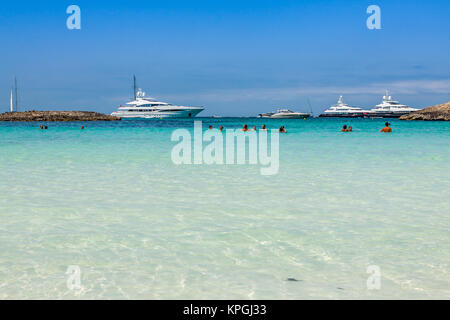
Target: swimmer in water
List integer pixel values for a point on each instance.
(263, 128)
(82, 127)
(254, 128)
(245, 128)
(42, 127)
(344, 128)
(350, 129)
(221, 128)
(282, 129)
(45, 127)
(386, 128)
(210, 127)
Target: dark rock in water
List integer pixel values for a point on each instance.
(435, 113)
(293, 280)
(46, 116)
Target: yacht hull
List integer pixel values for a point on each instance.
(289, 116)
(344, 116)
(189, 113)
(366, 115)
(303, 117)
(387, 114)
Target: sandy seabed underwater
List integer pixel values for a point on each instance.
(109, 200)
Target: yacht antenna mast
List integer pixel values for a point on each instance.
(134, 80)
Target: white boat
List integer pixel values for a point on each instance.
(390, 108)
(285, 114)
(343, 110)
(143, 107)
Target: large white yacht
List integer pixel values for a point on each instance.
(390, 108)
(343, 110)
(285, 114)
(143, 107)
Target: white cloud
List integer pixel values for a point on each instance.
(405, 87)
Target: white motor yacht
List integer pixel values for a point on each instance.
(390, 108)
(343, 110)
(285, 114)
(143, 107)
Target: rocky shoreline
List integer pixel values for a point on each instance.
(35, 116)
(439, 112)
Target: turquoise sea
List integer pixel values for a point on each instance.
(109, 200)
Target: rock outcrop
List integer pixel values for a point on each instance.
(44, 116)
(435, 113)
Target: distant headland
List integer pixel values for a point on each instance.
(439, 112)
(35, 116)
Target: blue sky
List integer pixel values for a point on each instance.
(233, 57)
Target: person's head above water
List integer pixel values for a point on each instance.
(386, 128)
(210, 127)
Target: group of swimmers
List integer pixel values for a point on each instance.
(282, 129)
(45, 127)
(245, 128)
(345, 129)
(387, 128)
(211, 127)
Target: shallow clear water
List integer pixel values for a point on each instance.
(109, 200)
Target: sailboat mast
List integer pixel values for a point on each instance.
(15, 86)
(310, 107)
(134, 79)
(11, 104)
